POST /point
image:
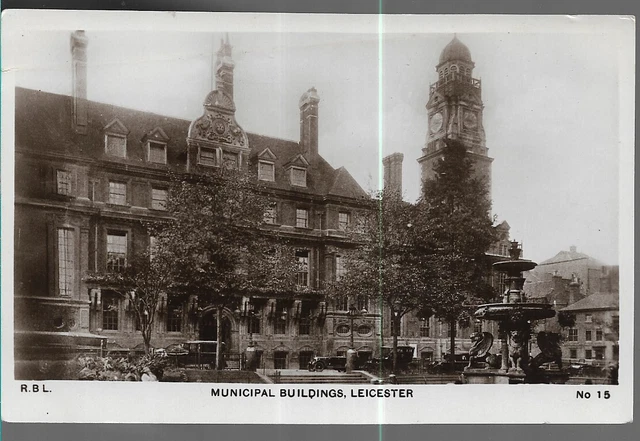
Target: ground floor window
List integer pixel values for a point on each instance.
(573, 353)
(110, 310)
(279, 360)
(304, 358)
(588, 354)
(599, 353)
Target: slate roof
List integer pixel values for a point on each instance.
(595, 301)
(565, 256)
(43, 122)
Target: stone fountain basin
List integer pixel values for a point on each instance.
(514, 266)
(505, 311)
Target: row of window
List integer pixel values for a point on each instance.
(302, 217)
(589, 354)
(111, 315)
(117, 191)
(116, 145)
(588, 335)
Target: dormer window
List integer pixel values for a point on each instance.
(298, 176)
(266, 171)
(157, 152)
(208, 157)
(116, 145)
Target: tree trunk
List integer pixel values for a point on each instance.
(452, 327)
(394, 332)
(219, 338)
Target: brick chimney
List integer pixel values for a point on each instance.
(393, 172)
(574, 289)
(309, 123)
(224, 68)
(79, 78)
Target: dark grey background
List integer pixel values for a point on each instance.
(124, 432)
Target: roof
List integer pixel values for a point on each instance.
(455, 51)
(572, 254)
(595, 301)
(43, 121)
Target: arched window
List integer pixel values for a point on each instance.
(468, 72)
(441, 74)
(446, 71)
(454, 68)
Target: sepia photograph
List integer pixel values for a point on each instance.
(285, 211)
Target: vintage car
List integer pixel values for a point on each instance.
(404, 358)
(336, 362)
(460, 362)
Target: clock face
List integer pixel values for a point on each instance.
(470, 120)
(436, 122)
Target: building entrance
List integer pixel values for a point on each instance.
(208, 328)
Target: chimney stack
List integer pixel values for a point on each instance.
(309, 123)
(574, 289)
(393, 172)
(79, 78)
(224, 68)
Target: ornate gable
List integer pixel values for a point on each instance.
(218, 124)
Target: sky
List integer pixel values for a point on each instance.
(551, 111)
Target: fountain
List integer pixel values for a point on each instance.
(514, 316)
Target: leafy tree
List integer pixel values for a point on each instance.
(388, 264)
(566, 319)
(141, 283)
(454, 212)
(219, 246)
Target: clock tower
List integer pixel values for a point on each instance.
(454, 111)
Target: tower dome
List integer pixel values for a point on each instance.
(455, 50)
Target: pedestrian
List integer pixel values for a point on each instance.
(147, 375)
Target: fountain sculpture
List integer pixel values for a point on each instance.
(514, 316)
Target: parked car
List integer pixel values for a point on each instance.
(336, 362)
(460, 362)
(404, 358)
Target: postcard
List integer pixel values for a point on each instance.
(306, 219)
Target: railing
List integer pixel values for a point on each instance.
(455, 76)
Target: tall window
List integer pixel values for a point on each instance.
(340, 269)
(116, 251)
(116, 146)
(208, 157)
(425, 329)
(573, 353)
(110, 309)
(117, 193)
(298, 177)
(343, 221)
(573, 334)
(304, 322)
(271, 213)
(174, 316)
(477, 326)
(158, 198)
(342, 303)
(362, 302)
(587, 335)
(302, 218)
(63, 182)
(599, 353)
(280, 320)
(157, 152)
(266, 171)
(255, 324)
(302, 258)
(66, 261)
